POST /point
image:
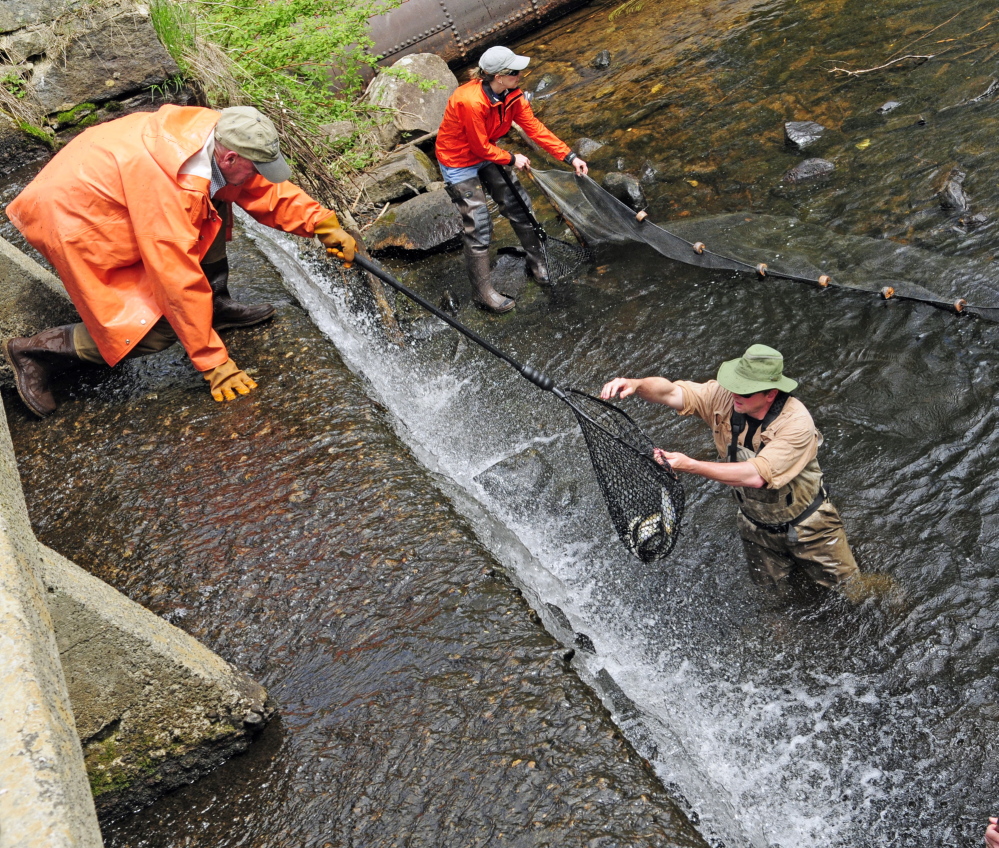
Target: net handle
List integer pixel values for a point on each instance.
(523, 205)
(540, 380)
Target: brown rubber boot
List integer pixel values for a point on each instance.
(35, 361)
(229, 313)
(486, 296)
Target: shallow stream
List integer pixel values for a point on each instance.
(783, 724)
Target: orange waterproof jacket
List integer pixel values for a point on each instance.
(473, 124)
(126, 232)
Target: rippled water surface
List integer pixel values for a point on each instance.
(780, 724)
(812, 721)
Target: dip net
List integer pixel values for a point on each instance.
(645, 499)
(780, 248)
(564, 259)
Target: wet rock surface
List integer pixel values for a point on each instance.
(292, 533)
(810, 169)
(426, 222)
(802, 134)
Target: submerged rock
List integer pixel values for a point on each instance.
(952, 195)
(810, 169)
(546, 86)
(802, 134)
(890, 106)
(625, 188)
(586, 147)
(648, 109)
(427, 222)
(602, 60)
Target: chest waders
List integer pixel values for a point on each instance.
(775, 510)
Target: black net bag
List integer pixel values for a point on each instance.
(645, 499)
(564, 259)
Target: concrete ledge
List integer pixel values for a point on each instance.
(45, 799)
(31, 298)
(155, 709)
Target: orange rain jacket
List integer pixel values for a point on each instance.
(126, 232)
(473, 124)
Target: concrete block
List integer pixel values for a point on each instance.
(154, 708)
(45, 799)
(31, 298)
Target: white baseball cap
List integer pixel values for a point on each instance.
(498, 59)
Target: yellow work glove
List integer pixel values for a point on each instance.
(226, 379)
(336, 240)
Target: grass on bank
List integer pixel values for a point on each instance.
(300, 62)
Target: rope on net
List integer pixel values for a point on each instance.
(596, 216)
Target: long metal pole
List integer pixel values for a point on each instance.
(540, 380)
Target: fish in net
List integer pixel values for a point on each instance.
(779, 248)
(645, 499)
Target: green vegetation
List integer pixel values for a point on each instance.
(37, 132)
(298, 61)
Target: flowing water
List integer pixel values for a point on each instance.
(776, 723)
(779, 724)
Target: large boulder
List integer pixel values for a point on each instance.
(427, 222)
(414, 112)
(403, 174)
(106, 52)
(17, 14)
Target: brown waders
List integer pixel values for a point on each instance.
(817, 544)
(477, 230)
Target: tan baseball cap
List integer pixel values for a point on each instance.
(252, 135)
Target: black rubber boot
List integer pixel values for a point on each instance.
(35, 360)
(537, 267)
(229, 313)
(486, 296)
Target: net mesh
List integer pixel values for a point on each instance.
(780, 248)
(645, 499)
(564, 259)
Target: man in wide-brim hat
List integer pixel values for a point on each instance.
(770, 442)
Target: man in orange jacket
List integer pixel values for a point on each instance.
(478, 114)
(133, 215)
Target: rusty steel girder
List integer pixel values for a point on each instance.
(458, 30)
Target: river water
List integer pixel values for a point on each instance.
(776, 722)
(780, 724)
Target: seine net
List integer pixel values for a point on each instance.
(645, 499)
(779, 248)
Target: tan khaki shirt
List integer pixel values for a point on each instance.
(784, 448)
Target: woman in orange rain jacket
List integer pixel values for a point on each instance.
(478, 114)
(127, 213)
